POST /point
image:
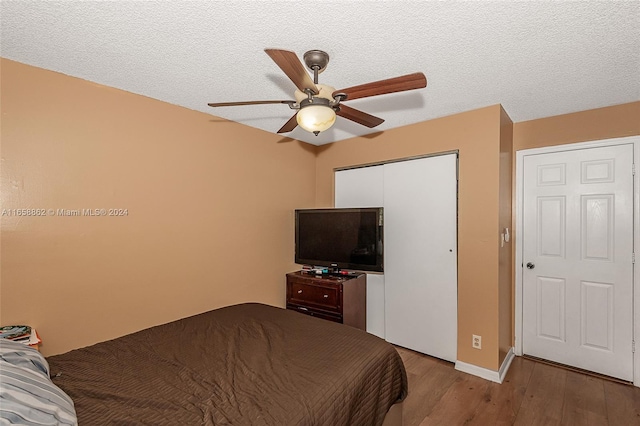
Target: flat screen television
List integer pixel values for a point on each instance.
(340, 238)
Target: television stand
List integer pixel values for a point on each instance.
(339, 298)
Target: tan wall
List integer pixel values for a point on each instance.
(595, 124)
(209, 204)
(505, 258)
(476, 134)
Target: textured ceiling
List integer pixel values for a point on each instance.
(537, 59)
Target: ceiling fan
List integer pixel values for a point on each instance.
(316, 104)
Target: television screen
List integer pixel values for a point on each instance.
(340, 238)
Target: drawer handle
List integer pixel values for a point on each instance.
(299, 291)
(325, 296)
(302, 309)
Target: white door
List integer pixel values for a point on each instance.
(363, 187)
(420, 255)
(577, 258)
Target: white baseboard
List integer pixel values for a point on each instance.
(485, 373)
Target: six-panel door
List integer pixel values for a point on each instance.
(577, 255)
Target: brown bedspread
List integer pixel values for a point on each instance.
(248, 364)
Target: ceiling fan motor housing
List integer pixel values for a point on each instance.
(324, 91)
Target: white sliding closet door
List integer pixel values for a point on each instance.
(414, 304)
(420, 255)
(363, 188)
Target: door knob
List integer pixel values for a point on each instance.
(530, 265)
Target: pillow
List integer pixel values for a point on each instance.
(27, 395)
(23, 356)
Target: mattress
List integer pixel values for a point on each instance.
(248, 364)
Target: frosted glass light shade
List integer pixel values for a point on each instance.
(316, 118)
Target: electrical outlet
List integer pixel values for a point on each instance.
(476, 341)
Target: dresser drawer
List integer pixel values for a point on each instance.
(314, 313)
(319, 296)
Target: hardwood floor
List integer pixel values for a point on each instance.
(533, 393)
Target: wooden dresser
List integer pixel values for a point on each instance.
(340, 298)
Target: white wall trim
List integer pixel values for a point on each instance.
(485, 373)
(504, 368)
(636, 268)
(635, 140)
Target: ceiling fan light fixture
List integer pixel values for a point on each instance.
(315, 116)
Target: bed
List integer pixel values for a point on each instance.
(247, 364)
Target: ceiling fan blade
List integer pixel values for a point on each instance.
(359, 116)
(289, 63)
(397, 84)
(289, 125)
(223, 104)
